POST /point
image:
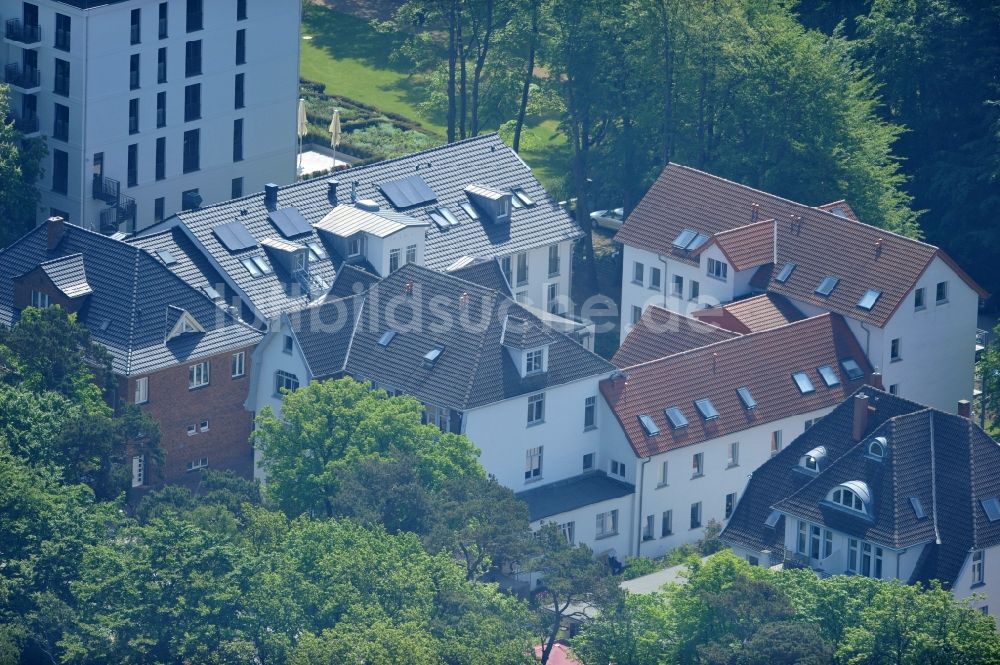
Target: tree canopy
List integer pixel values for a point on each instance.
(20, 169)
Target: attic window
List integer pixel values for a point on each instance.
(706, 409)
(772, 518)
(165, 256)
(827, 286)
(876, 448)
(316, 251)
(992, 508)
(469, 210)
(829, 377)
(688, 240)
(516, 202)
(853, 495)
(251, 267)
(852, 368)
(803, 382)
(212, 293)
(918, 508)
(868, 300)
(262, 263)
(524, 198)
(785, 273)
(438, 219)
(432, 356)
(387, 338)
(675, 417)
(813, 459)
(648, 425)
(447, 214)
(748, 401)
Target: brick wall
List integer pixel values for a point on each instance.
(226, 443)
(37, 280)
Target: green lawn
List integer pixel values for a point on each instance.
(352, 59)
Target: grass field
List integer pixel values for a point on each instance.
(352, 59)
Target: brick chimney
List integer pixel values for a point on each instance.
(876, 380)
(860, 416)
(56, 228)
(964, 408)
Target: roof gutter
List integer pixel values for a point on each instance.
(642, 478)
(663, 260)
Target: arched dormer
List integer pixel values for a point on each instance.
(878, 448)
(814, 460)
(853, 495)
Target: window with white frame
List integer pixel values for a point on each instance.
(696, 515)
(638, 273)
(192, 429)
(845, 497)
(697, 465)
(717, 269)
(196, 464)
(552, 298)
(677, 286)
(553, 260)
(775, 442)
(287, 344)
(568, 530)
(636, 314)
(40, 300)
(802, 538)
(411, 253)
(285, 381)
(666, 523)
(730, 504)
(533, 464)
(356, 244)
(918, 299)
(607, 523)
(505, 264)
(617, 468)
(203, 426)
(978, 559)
(238, 366)
(664, 469)
(533, 361)
(142, 390)
(695, 288)
(536, 409)
(655, 278)
(809, 423)
(198, 375)
(647, 528)
(941, 293)
(394, 256)
(733, 458)
(590, 413)
(437, 416)
(871, 561)
(588, 461)
(895, 349)
(138, 470)
(522, 268)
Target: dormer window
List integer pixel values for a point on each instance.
(355, 245)
(503, 207)
(534, 361)
(853, 495)
(299, 261)
(877, 447)
(813, 460)
(183, 324)
(40, 300)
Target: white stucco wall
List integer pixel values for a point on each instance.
(990, 588)
(585, 525)
(535, 291)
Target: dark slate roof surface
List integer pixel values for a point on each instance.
(486, 273)
(68, 275)
(572, 493)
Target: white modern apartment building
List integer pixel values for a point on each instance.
(696, 241)
(151, 107)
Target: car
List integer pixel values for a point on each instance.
(608, 219)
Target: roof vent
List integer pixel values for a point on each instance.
(463, 300)
(878, 248)
(366, 204)
(754, 211)
(432, 356)
(408, 288)
(271, 195)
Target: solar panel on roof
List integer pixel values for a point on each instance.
(165, 256)
(289, 222)
(648, 425)
(869, 299)
(749, 403)
(803, 382)
(407, 192)
(827, 286)
(706, 409)
(852, 368)
(234, 236)
(786, 272)
(830, 377)
(675, 417)
(684, 239)
(992, 508)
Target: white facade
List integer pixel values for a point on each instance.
(543, 278)
(95, 129)
(978, 580)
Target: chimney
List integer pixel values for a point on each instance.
(331, 190)
(354, 192)
(463, 300)
(271, 195)
(754, 211)
(56, 227)
(964, 408)
(408, 288)
(876, 380)
(860, 416)
(878, 248)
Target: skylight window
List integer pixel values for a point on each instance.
(516, 202)
(827, 286)
(918, 508)
(829, 377)
(523, 196)
(469, 210)
(706, 409)
(165, 256)
(852, 368)
(440, 221)
(316, 251)
(749, 403)
(251, 267)
(675, 417)
(432, 356)
(772, 518)
(262, 263)
(648, 425)
(803, 382)
(698, 241)
(868, 300)
(447, 214)
(684, 239)
(786, 272)
(387, 338)
(992, 508)
(212, 293)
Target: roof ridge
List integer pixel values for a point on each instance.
(60, 258)
(812, 319)
(769, 220)
(132, 320)
(354, 329)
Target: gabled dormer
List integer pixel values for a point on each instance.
(527, 345)
(61, 281)
(291, 256)
(180, 322)
(495, 206)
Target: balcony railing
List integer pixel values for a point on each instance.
(26, 124)
(25, 78)
(106, 189)
(119, 217)
(17, 31)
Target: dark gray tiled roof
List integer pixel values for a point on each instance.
(127, 310)
(474, 369)
(448, 169)
(572, 493)
(351, 280)
(68, 275)
(944, 460)
(520, 333)
(486, 273)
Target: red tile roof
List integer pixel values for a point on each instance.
(763, 362)
(660, 333)
(763, 312)
(745, 247)
(820, 243)
(845, 208)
